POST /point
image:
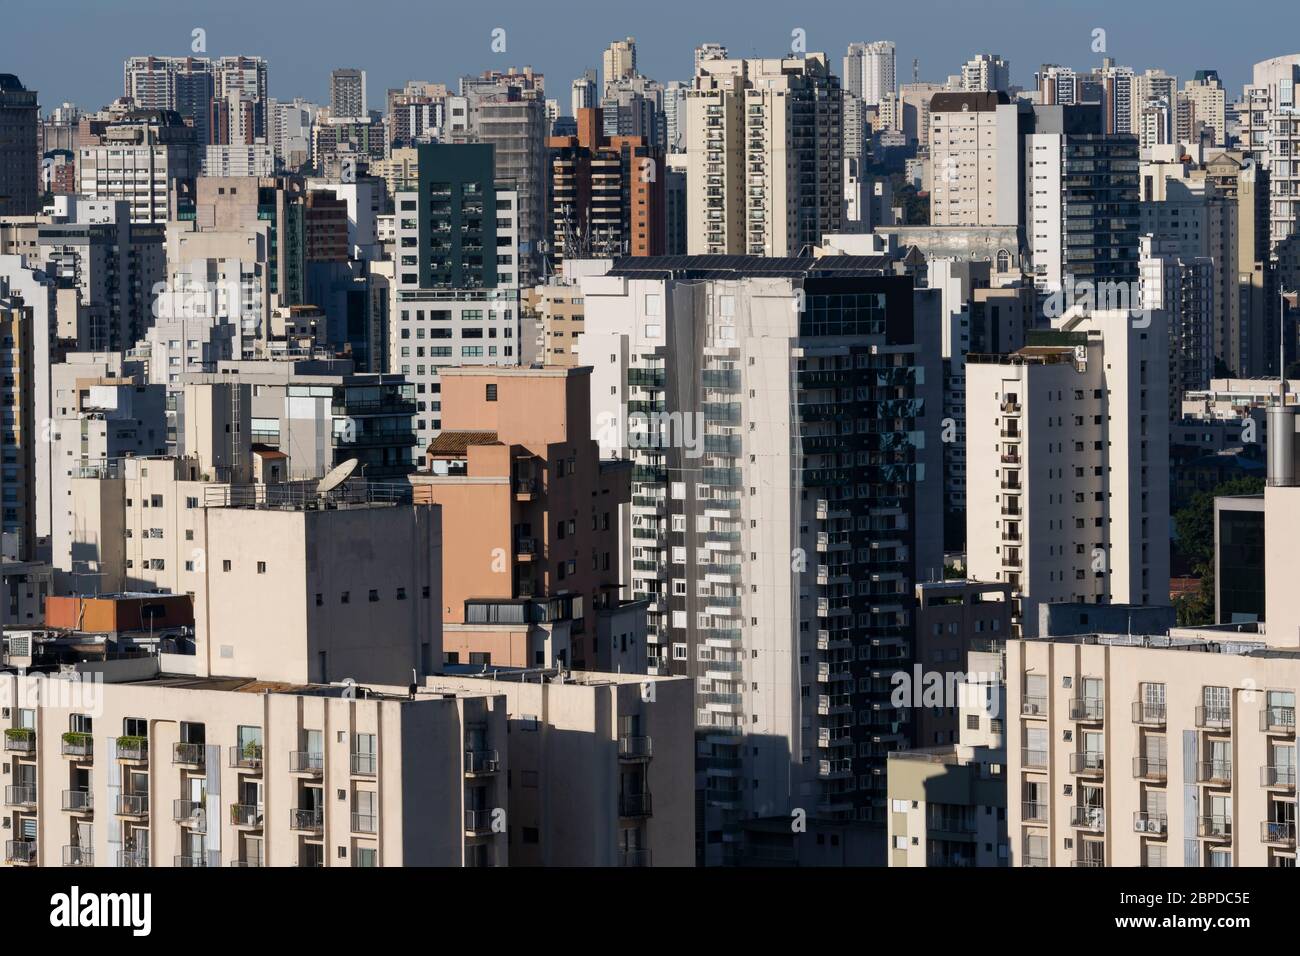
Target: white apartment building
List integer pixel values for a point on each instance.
(696, 372)
(986, 73)
(975, 160)
(870, 71)
(1183, 291)
(1206, 96)
(1271, 135)
(138, 167)
(764, 147)
(1067, 470)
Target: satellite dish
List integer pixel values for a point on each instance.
(337, 476)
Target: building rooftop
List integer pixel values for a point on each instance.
(735, 267)
(453, 443)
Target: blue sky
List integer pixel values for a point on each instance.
(73, 49)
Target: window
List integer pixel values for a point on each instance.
(225, 565)
(374, 595)
(261, 567)
(491, 392)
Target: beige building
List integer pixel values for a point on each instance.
(764, 157)
(1067, 486)
(975, 160)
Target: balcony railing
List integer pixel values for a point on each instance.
(132, 804)
(78, 801)
(478, 821)
(1088, 818)
(1088, 862)
(312, 820)
(1089, 709)
(20, 796)
(20, 851)
(1214, 718)
(1214, 827)
(189, 754)
(132, 858)
(363, 764)
(196, 860)
(250, 861)
(132, 748)
(1088, 761)
(78, 746)
(1033, 859)
(634, 805)
(1032, 811)
(247, 757)
(363, 823)
(634, 748)
(246, 814)
(306, 761)
(1147, 822)
(21, 740)
(78, 856)
(639, 857)
(1281, 832)
(1150, 768)
(1214, 771)
(187, 811)
(1033, 759)
(1277, 720)
(1033, 706)
(481, 761)
(1151, 715)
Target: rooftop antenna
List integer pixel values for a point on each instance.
(916, 70)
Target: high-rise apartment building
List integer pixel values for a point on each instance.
(986, 73)
(870, 71)
(976, 159)
(785, 497)
(618, 62)
(240, 112)
(765, 156)
(348, 93)
(606, 195)
(1182, 291)
(1206, 96)
(583, 93)
(1081, 200)
(1271, 135)
(148, 158)
(458, 274)
(1067, 469)
(19, 159)
(185, 84)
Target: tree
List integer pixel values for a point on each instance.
(1194, 528)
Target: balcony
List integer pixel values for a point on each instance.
(1148, 715)
(311, 820)
(632, 805)
(20, 796)
(363, 823)
(1150, 768)
(189, 755)
(1145, 822)
(1278, 720)
(1033, 706)
(1214, 718)
(1089, 710)
(1214, 772)
(481, 762)
(1278, 778)
(478, 822)
(1088, 818)
(247, 757)
(20, 740)
(78, 746)
(1032, 859)
(133, 749)
(250, 861)
(1214, 828)
(1033, 759)
(1031, 812)
(132, 804)
(196, 860)
(634, 857)
(1278, 833)
(78, 801)
(1088, 862)
(306, 761)
(188, 812)
(634, 748)
(363, 764)
(132, 858)
(78, 856)
(246, 815)
(1091, 763)
(20, 852)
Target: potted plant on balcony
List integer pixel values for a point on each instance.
(252, 751)
(130, 742)
(76, 738)
(19, 733)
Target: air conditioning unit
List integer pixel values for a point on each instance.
(1140, 826)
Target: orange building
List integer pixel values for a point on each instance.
(116, 613)
(529, 516)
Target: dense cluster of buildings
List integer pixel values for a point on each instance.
(774, 466)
